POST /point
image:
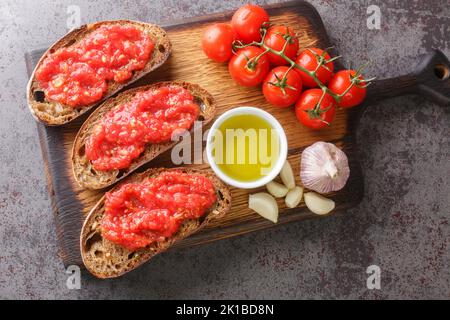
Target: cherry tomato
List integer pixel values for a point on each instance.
(276, 39)
(247, 21)
(308, 60)
(306, 113)
(341, 81)
(217, 41)
(282, 91)
(245, 70)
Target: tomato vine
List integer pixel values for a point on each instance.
(355, 80)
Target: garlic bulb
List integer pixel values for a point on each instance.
(324, 167)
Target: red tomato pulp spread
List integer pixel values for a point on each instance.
(77, 75)
(138, 214)
(151, 116)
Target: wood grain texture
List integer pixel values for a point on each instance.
(71, 203)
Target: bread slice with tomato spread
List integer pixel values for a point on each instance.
(54, 113)
(85, 173)
(105, 259)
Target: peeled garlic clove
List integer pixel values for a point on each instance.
(265, 205)
(277, 189)
(293, 197)
(318, 204)
(287, 175)
(324, 167)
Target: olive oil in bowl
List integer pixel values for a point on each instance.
(245, 147)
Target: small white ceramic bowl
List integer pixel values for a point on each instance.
(282, 143)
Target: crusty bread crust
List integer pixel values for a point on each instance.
(88, 177)
(105, 259)
(53, 113)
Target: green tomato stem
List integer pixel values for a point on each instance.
(321, 61)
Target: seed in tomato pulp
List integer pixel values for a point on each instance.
(308, 59)
(312, 114)
(282, 87)
(249, 66)
(339, 84)
(217, 41)
(276, 38)
(247, 22)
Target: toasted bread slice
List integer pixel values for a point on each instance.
(84, 172)
(105, 259)
(53, 113)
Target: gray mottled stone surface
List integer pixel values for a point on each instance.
(402, 225)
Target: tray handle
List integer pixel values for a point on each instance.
(431, 78)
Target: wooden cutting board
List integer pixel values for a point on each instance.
(70, 203)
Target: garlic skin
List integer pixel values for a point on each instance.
(324, 167)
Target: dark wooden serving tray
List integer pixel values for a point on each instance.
(71, 203)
